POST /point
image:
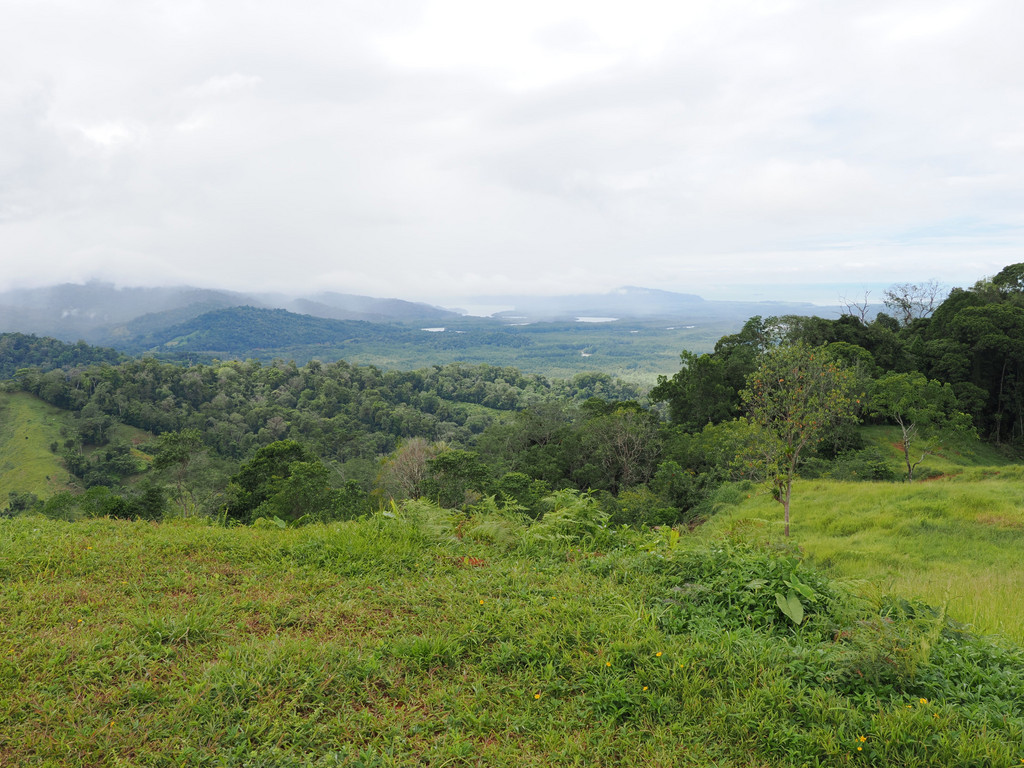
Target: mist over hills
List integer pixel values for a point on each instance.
(632, 331)
(637, 302)
(102, 313)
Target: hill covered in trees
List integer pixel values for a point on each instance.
(941, 371)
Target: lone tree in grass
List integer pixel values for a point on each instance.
(926, 411)
(797, 396)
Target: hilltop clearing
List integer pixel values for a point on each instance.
(418, 637)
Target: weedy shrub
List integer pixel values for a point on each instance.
(747, 586)
(571, 520)
(494, 524)
(641, 506)
(867, 464)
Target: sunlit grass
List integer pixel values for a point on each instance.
(952, 541)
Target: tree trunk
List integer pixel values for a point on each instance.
(785, 504)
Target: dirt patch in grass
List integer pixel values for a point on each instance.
(999, 521)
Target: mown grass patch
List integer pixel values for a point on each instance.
(390, 641)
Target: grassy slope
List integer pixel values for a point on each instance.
(371, 644)
(27, 427)
(951, 540)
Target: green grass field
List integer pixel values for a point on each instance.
(27, 427)
(393, 641)
(953, 539)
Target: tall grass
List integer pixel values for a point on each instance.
(952, 541)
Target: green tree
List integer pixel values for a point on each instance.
(706, 388)
(305, 491)
(622, 443)
(796, 397)
(926, 411)
(452, 477)
(267, 477)
(177, 453)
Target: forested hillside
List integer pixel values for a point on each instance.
(459, 433)
(19, 350)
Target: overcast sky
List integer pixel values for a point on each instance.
(442, 149)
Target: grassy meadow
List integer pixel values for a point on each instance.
(420, 637)
(952, 538)
(27, 427)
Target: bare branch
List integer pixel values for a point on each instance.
(909, 301)
(858, 309)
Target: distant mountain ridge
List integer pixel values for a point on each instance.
(631, 331)
(101, 313)
(240, 331)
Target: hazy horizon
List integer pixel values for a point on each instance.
(483, 305)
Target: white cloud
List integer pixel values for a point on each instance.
(432, 148)
(222, 85)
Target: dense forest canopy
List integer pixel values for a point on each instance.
(356, 436)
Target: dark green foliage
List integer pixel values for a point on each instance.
(150, 503)
(19, 502)
(285, 476)
(520, 489)
(641, 506)
(869, 464)
(144, 503)
(340, 411)
(26, 351)
(455, 478)
(351, 501)
(706, 389)
(683, 489)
